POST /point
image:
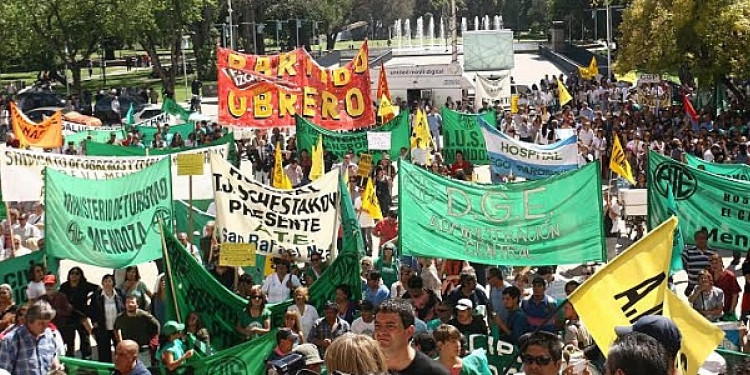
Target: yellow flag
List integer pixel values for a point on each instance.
(385, 109)
(630, 286)
(590, 71)
(699, 336)
(280, 179)
(316, 170)
(564, 94)
(421, 131)
(618, 163)
(370, 201)
(514, 103)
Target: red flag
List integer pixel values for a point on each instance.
(383, 84)
(689, 110)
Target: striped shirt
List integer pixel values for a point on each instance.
(22, 353)
(694, 261)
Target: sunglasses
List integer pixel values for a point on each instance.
(541, 360)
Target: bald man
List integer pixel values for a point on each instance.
(126, 359)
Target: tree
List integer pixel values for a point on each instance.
(707, 38)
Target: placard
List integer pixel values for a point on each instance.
(379, 140)
(364, 168)
(237, 254)
(190, 164)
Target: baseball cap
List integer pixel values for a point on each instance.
(661, 328)
(330, 305)
(715, 364)
(464, 304)
(50, 279)
(171, 327)
(310, 352)
(286, 334)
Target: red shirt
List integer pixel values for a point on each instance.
(386, 229)
(458, 166)
(728, 283)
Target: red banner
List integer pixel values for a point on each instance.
(267, 91)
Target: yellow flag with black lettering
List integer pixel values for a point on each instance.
(420, 136)
(630, 286)
(370, 201)
(618, 163)
(280, 179)
(699, 336)
(317, 168)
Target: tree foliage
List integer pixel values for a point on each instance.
(709, 38)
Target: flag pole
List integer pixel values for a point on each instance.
(334, 249)
(10, 225)
(192, 208)
(168, 275)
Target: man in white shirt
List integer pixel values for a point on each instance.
(294, 172)
(25, 230)
(192, 249)
(278, 285)
(37, 217)
(586, 134)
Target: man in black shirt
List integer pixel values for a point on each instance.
(394, 328)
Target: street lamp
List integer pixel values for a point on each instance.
(229, 20)
(185, 45)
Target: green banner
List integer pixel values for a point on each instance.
(96, 136)
(220, 309)
(108, 223)
(704, 200)
(461, 132)
(245, 359)
(734, 171)
(103, 149)
(147, 133)
(171, 107)
(557, 220)
(340, 143)
(15, 272)
(501, 355)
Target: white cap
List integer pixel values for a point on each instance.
(715, 364)
(464, 304)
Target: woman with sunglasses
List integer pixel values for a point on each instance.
(35, 288)
(257, 318)
(134, 286)
(308, 314)
(7, 307)
(316, 268)
(77, 289)
(106, 304)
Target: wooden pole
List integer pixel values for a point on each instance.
(168, 275)
(10, 228)
(190, 220)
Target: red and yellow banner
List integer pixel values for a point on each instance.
(46, 134)
(267, 91)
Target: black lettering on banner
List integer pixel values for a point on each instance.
(637, 293)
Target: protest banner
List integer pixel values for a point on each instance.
(493, 90)
(528, 160)
(501, 355)
(734, 171)
(171, 107)
(22, 171)
(46, 134)
(553, 221)
(237, 254)
(364, 166)
(704, 200)
(303, 220)
(103, 149)
(220, 309)
(633, 285)
(15, 272)
(340, 143)
(268, 91)
(108, 223)
(152, 122)
(147, 133)
(379, 140)
(461, 132)
(97, 135)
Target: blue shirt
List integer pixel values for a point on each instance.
(538, 311)
(496, 299)
(377, 296)
(518, 325)
(23, 354)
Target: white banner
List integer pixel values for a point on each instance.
(22, 171)
(491, 90)
(303, 220)
(379, 140)
(160, 119)
(72, 127)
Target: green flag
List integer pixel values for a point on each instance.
(734, 171)
(340, 143)
(15, 271)
(75, 366)
(96, 136)
(678, 243)
(108, 223)
(705, 200)
(129, 119)
(171, 107)
(148, 133)
(557, 220)
(498, 354)
(461, 132)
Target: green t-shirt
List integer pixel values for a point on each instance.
(248, 321)
(177, 349)
(388, 271)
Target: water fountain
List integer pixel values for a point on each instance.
(397, 29)
(476, 23)
(407, 32)
(495, 23)
(442, 32)
(487, 22)
(431, 31)
(420, 32)
(464, 27)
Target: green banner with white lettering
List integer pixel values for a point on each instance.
(103, 149)
(96, 135)
(557, 220)
(461, 132)
(108, 223)
(340, 143)
(734, 171)
(704, 200)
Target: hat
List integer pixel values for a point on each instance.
(286, 334)
(661, 328)
(171, 327)
(464, 304)
(715, 364)
(50, 279)
(310, 352)
(330, 305)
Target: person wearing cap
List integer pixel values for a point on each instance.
(539, 306)
(313, 362)
(660, 328)
(375, 292)
(466, 321)
(59, 302)
(328, 328)
(365, 324)
(31, 348)
(285, 339)
(637, 353)
(126, 359)
(172, 354)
